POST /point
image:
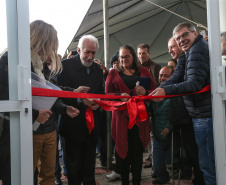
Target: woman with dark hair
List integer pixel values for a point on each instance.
(129, 143)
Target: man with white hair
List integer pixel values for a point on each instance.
(81, 72)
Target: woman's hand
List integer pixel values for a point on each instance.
(72, 112)
(139, 90)
(43, 115)
(125, 99)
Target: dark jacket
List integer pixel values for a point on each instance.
(154, 70)
(58, 108)
(196, 76)
(74, 74)
(160, 118)
(178, 112)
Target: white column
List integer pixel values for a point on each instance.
(218, 103)
(222, 10)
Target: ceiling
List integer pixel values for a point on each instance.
(137, 21)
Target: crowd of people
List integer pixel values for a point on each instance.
(188, 118)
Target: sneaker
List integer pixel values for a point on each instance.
(113, 176)
(130, 177)
(58, 181)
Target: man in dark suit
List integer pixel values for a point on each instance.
(80, 72)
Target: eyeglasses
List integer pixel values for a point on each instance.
(172, 66)
(184, 35)
(125, 57)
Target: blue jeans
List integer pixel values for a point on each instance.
(159, 155)
(203, 128)
(58, 167)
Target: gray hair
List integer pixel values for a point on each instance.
(223, 35)
(87, 37)
(190, 27)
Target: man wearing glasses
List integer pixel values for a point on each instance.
(196, 76)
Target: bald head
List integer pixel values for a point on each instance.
(165, 73)
(174, 50)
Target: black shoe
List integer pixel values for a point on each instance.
(153, 175)
(104, 164)
(148, 165)
(58, 181)
(198, 182)
(158, 182)
(185, 177)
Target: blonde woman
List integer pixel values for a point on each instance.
(44, 46)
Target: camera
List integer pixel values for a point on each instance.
(74, 52)
(203, 33)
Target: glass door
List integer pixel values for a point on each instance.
(16, 156)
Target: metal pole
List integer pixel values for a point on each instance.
(106, 33)
(106, 59)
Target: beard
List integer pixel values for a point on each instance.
(86, 64)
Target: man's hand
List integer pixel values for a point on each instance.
(88, 101)
(82, 89)
(125, 99)
(43, 115)
(165, 132)
(158, 92)
(139, 90)
(105, 71)
(94, 107)
(72, 112)
(206, 38)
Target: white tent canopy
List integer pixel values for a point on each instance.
(138, 21)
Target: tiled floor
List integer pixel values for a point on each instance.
(101, 179)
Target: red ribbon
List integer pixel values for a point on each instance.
(135, 105)
(89, 119)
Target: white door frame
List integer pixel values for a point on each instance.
(218, 89)
(19, 104)
(20, 108)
